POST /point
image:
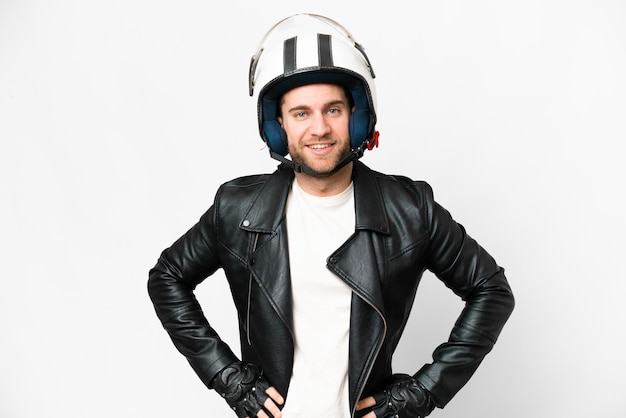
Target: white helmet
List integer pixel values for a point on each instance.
(305, 49)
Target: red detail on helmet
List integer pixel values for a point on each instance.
(374, 141)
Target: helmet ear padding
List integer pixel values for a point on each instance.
(362, 120)
(359, 121)
(275, 137)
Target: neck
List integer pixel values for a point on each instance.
(326, 186)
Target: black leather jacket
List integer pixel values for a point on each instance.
(400, 232)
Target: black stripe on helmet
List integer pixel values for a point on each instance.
(324, 50)
(289, 55)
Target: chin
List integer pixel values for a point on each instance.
(324, 170)
(321, 167)
(322, 174)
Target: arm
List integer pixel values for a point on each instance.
(171, 283)
(466, 268)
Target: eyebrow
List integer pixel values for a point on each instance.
(304, 107)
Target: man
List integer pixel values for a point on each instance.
(324, 256)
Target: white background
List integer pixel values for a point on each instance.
(119, 119)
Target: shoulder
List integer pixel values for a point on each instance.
(251, 182)
(259, 190)
(397, 185)
(243, 183)
(240, 191)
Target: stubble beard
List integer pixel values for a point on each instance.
(297, 158)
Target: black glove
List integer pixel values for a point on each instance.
(403, 397)
(243, 387)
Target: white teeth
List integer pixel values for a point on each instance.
(319, 146)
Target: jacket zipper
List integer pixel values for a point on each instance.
(256, 240)
(380, 344)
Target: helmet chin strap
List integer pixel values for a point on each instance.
(354, 155)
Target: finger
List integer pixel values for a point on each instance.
(365, 403)
(272, 408)
(271, 403)
(276, 397)
(261, 414)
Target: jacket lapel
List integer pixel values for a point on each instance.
(269, 261)
(360, 263)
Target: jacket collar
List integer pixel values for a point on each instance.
(370, 209)
(268, 208)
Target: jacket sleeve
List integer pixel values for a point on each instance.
(171, 284)
(466, 268)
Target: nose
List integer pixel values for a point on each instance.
(319, 125)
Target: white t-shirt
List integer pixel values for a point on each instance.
(316, 227)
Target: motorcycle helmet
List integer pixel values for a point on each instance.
(305, 49)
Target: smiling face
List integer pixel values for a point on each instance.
(315, 118)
